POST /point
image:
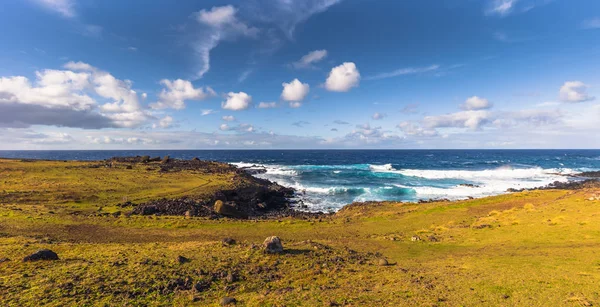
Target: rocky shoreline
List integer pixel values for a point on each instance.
(256, 198)
(251, 197)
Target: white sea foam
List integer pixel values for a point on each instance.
(381, 168)
(486, 182)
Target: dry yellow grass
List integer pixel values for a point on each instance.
(537, 248)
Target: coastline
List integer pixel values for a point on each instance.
(493, 250)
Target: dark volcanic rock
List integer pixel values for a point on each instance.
(228, 241)
(589, 174)
(43, 254)
(182, 259)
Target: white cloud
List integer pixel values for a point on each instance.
(267, 105)
(413, 129)
(309, 59)
(287, 14)
(378, 116)
(64, 7)
(244, 75)
(533, 117)
(295, 104)
(466, 119)
(476, 103)
(177, 92)
(342, 78)
(404, 71)
(294, 91)
(593, 23)
(165, 122)
(245, 128)
(366, 134)
(574, 91)
(59, 95)
(228, 118)
(502, 7)
(222, 24)
(237, 101)
(208, 112)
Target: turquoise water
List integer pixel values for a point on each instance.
(329, 179)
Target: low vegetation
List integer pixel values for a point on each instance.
(532, 248)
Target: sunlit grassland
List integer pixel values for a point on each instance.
(536, 248)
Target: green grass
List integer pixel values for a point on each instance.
(540, 248)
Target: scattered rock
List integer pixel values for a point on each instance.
(272, 245)
(195, 159)
(43, 254)
(227, 301)
(116, 213)
(482, 226)
(231, 278)
(468, 185)
(415, 238)
(179, 284)
(229, 210)
(4, 260)
(128, 167)
(182, 259)
(433, 238)
(228, 241)
(165, 160)
(382, 262)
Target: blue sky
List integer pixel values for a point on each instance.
(90, 74)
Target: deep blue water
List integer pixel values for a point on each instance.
(329, 179)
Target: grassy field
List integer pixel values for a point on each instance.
(535, 248)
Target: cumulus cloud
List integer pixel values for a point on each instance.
(228, 118)
(574, 91)
(221, 24)
(267, 105)
(342, 78)
(309, 59)
(176, 92)
(165, 122)
(403, 71)
(294, 91)
(476, 103)
(366, 134)
(237, 101)
(247, 128)
(69, 98)
(378, 116)
(413, 129)
(208, 112)
(295, 104)
(466, 119)
(533, 117)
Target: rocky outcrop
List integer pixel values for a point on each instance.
(43, 254)
(250, 197)
(272, 245)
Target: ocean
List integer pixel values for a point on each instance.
(329, 179)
